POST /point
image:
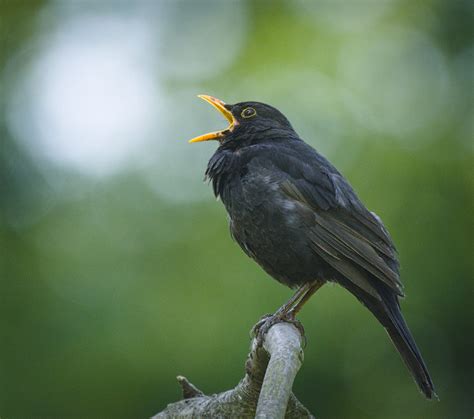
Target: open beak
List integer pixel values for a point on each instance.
(220, 106)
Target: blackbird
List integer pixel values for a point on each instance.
(293, 213)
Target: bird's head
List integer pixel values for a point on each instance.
(248, 122)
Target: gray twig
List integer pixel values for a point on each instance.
(283, 343)
(264, 392)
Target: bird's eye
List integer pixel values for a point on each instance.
(248, 113)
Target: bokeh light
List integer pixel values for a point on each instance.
(90, 99)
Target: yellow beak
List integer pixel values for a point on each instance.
(220, 106)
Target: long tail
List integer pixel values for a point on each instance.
(402, 338)
(389, 315)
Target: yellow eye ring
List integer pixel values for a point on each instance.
(248, 113)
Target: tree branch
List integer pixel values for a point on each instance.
(264, 392)
(283, 343)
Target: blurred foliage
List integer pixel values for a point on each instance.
(110, 288)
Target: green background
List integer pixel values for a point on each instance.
(112, 284)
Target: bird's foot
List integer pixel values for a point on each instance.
(268, 320)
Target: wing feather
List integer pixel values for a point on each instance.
(349, 237)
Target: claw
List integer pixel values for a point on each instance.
(268, 320)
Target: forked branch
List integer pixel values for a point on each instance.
(264, 392)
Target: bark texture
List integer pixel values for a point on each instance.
(264, 392)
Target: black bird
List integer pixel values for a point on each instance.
(293, 213)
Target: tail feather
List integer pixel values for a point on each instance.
(403, 340)
(388, 313)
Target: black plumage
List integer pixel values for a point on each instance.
(300, 220)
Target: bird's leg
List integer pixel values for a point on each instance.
(293, 301)
(285, 313)
(309, 292)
